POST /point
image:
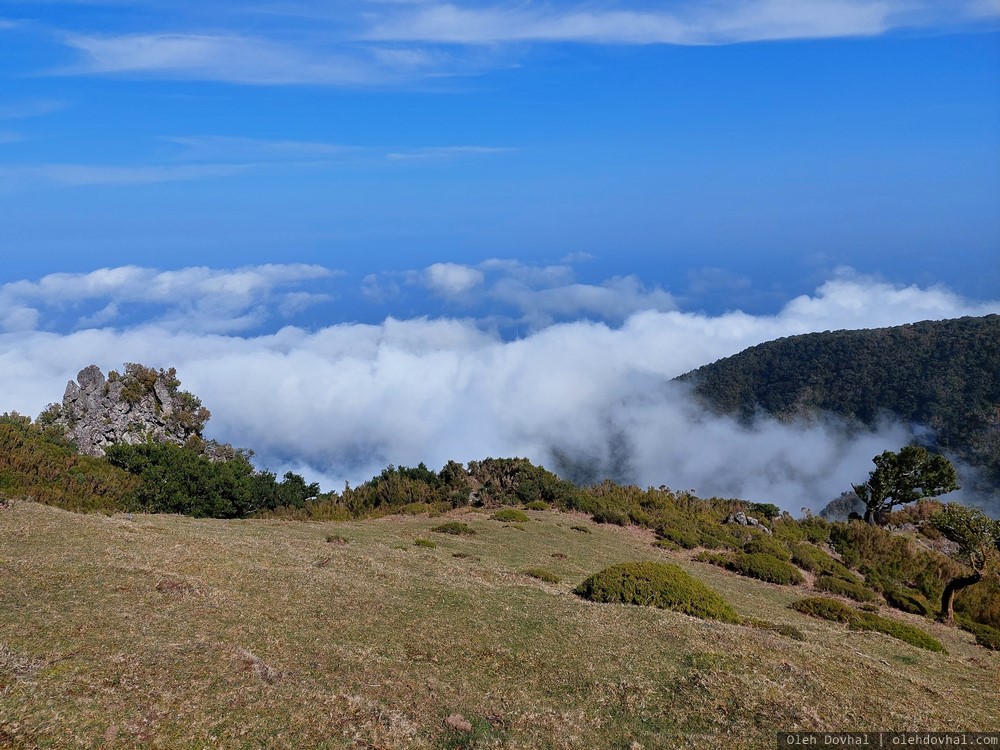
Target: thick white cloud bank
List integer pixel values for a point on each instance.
(340, 402)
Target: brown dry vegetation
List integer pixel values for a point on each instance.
(166, 631)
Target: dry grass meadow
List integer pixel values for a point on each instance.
(172, 632)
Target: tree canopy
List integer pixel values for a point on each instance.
(904, 477)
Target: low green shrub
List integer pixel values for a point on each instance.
(714, 558)
(765, 545)
(900, 630)
(657, 585)
(855, 591)
(456, 528)
(765, 567)
(812, 528)
(581, 529)
(812, 558)
(430, 544)
(683, 534)
(986, 636)
(543, 575)
(336, 539)
(719, 537)
(509, 515)
(908, 600)
(537, 505)
(825, 609)
(614, 516)
(831, 609)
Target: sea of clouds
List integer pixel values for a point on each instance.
(338, 402)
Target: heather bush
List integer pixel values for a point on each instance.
(612, 515)
(657, 585)
(839, 586)
(714, 558)
(812, 558)
(456, 528)
(681, 533)
(765, 567)
(831, 609)
(428, 543)
(760, 544)
(890, 561)
(509, 515)
(907, 600)
(986, 636)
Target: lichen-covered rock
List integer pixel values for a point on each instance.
(140, 405)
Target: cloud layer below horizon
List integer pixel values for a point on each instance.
(588, 397)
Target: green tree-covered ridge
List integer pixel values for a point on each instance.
(941, 374)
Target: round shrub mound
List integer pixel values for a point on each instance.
(765, 567)
(509, 515)
(907, 600)
(850, 589)
(655, 584)
(456, 528)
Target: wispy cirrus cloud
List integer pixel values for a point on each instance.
(208, 157)
(689, 23)
(82, 175)
(27, 109)
(394, 43)
(447, 152)
(259, 60)
(227, 148)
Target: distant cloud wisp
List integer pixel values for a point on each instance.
(197, 299)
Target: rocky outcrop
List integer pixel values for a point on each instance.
(138, 406)
(743, 519)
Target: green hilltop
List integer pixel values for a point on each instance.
(943, 375)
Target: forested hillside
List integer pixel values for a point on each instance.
(944, 375)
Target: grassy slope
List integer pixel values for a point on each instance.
(164, 631)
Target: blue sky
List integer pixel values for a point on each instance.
(258, 186)
(734, 152)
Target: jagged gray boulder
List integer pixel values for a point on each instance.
(743, 519)
(141, 405)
